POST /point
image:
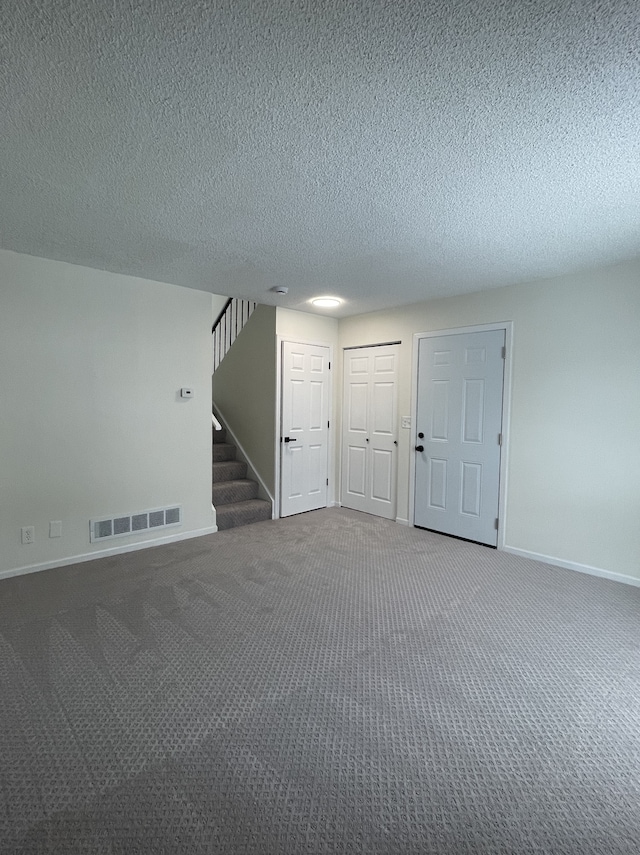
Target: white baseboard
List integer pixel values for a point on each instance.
(402, 521)
(573, 565)
(105, 553)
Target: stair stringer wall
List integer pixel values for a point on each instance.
(244, 396)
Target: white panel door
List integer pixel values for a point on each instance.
(458, 429)
(369, 439)
(304, 441)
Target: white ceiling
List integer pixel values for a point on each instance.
(385, 151)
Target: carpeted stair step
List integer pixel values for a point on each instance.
(223, 451)
(242, 513)
(235, 497)
(227, 492)
(229, 470)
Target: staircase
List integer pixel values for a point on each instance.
(235, 497)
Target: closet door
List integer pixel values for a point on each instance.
(369, 436)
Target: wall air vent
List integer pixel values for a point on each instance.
(106, 528)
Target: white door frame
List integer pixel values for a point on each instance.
(507, 326)
(280, 339)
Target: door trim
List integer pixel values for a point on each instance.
(331, 492)
(507, 326)
(378, 344)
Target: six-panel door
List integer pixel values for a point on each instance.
(459, 413)
(369, 450)
(304, 457)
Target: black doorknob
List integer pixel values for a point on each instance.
(420, 435)
(419, 447)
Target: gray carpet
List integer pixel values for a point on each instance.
(328, 683)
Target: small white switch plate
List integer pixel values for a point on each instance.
(186, 392)
(406, 421)
(55, 528)
(28, 534)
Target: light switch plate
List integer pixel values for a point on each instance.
(406, 422)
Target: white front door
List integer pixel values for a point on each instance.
(369, 435)
(304, 440)
(458, 434)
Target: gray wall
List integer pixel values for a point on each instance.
(91, 421)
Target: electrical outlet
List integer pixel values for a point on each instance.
(55, 528)
(406, 422)
(28, 534)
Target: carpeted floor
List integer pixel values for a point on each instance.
(328, 683)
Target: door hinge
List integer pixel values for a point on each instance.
(504, 352)
(327, 482)
(328, 424)
(329, 366)
(497, 520)
(499, 439)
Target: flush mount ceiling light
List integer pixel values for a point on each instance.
(326, 302)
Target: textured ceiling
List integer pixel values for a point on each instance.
(385, 151)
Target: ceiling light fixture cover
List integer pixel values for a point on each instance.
(326, 302)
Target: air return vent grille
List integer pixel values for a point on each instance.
(106, 528)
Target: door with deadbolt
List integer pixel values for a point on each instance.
(458, 434)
